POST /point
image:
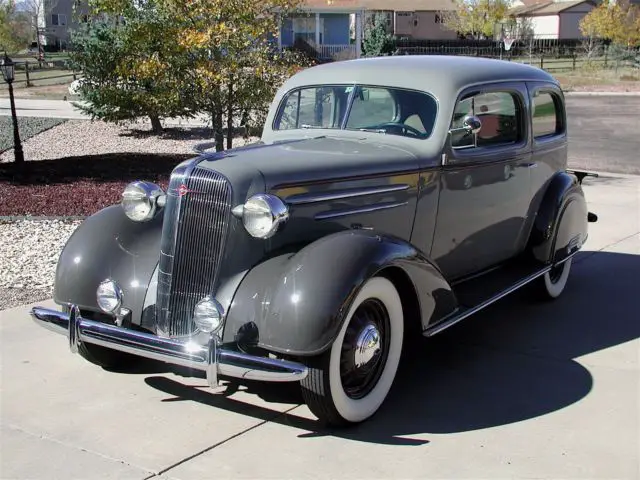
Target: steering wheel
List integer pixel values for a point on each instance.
(406, 128)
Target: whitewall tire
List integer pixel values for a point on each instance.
(554, 281)
(348, 383)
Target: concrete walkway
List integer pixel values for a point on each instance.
(522, 390)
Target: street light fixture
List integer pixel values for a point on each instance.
(8, 73)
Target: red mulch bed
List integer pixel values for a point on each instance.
(78, 186)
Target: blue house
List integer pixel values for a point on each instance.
(333, 28)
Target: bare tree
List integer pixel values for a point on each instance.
(38, 11)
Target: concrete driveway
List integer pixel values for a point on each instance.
(523, 389)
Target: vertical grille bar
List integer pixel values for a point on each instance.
(194, 238)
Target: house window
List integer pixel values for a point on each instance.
(500, 114)
(305, 28)
(546, 120)
(439, 18)
(58, 19)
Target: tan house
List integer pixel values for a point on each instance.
(414, 19)
(553, 19)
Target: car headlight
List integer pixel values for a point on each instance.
(207, 315)
(109, 296)
(263, 215)
(141, 200)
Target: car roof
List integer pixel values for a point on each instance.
(442, 75)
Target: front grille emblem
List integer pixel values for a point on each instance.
(182, 190)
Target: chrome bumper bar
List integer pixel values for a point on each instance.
(211, 359)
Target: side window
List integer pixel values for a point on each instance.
(319, 107)
(499, 113)
(546, 119)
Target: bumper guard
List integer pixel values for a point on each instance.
(211, 359)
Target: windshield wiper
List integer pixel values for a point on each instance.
(374, 130)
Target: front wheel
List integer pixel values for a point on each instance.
(348, 383)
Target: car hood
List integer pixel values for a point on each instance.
(314, 159)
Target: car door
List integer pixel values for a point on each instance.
(485, 182)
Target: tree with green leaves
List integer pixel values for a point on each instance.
(232, 63)
(127, 61)
(617, 21)
(182, 57)
(477, 18)
(15, 31)
(376, 40)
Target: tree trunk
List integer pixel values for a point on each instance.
(216, 116)
(230, 116)
(156, 126)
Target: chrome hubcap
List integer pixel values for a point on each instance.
(367, 346)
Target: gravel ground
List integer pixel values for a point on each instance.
(27, 126)
(29, 251)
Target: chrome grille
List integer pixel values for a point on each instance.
(194, 237)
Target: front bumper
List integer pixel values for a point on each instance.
(211, 359)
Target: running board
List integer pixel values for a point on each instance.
(461, 313)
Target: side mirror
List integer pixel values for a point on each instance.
(471, 124)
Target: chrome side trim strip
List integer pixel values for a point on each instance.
(306, 198)
(457, 317)
(211, 358)
(356, 210)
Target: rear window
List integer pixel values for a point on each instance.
(377, 109)
(546, 119)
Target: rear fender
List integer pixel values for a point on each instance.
(561, 225)
(295, 303)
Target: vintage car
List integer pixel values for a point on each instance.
(388, 198)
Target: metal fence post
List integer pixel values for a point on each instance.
(542, 61)
(574, 61)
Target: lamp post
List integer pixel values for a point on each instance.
(8, 71)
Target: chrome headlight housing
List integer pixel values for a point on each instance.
(141, 200)
(263, 215)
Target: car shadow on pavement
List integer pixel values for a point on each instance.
(517, 360)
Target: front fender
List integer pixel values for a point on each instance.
(561, 225)
(295, 303)
(108, 245)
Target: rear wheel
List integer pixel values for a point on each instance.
(552, 284)
(348, 383)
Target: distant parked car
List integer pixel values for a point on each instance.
(388, 197)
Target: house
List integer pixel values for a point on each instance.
(333, 28)
(414, 19)
(559, 19)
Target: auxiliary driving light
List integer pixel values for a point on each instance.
(207, 315)
(109, 296)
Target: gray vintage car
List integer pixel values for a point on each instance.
(387, 198)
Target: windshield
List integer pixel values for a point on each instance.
(387, 110)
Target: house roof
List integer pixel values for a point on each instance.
(410, 5)
(546, 7)
(396, 5)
